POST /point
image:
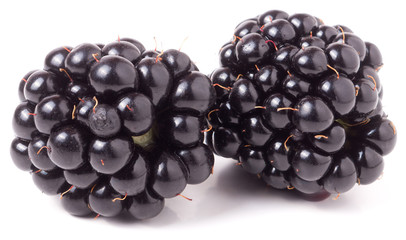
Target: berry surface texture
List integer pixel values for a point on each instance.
(299, 103)
(113, 127)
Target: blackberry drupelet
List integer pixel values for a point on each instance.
(114, 127)
(300, 104)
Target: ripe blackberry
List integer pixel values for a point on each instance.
(114, 127)
(299, 104)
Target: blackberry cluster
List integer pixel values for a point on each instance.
(114, 127)
(299, 104)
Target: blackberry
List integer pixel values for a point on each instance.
(300, 104)
(114, 127)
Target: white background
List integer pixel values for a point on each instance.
(231, 204)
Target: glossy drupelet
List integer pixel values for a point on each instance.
(113, 127)
(299, 103)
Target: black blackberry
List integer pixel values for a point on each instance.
(299, 104)
(114, 127)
